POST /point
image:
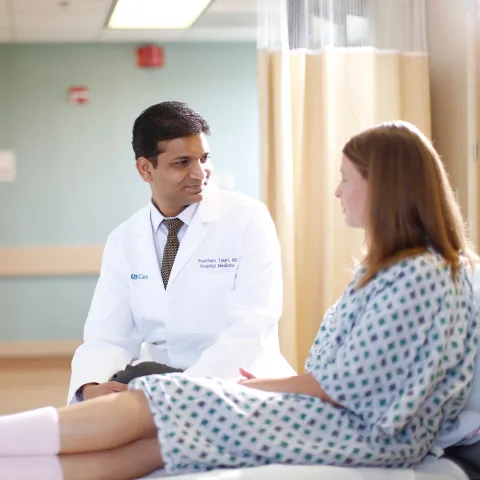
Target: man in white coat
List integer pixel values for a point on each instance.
(195, 276)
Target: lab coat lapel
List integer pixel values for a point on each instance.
(145, 259)
(196, 232)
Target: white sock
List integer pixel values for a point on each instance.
(36, 432)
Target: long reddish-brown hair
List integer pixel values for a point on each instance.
(410, 203)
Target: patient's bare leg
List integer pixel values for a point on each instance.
(95, 425)
(124, 463)
(105, 422)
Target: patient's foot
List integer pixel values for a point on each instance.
(31, 433)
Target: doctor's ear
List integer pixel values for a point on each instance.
(144, 168)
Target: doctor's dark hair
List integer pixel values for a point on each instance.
(163, 122)
(411, 206)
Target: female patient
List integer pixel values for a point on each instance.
(390, 369)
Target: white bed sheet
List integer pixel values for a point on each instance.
(430, 469)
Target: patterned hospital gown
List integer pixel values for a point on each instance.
(397, 355)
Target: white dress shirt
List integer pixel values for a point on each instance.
(160, 230)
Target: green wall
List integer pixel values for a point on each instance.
(76, 176)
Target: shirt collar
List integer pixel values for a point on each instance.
(185, 216)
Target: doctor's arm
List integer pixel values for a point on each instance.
(111, 338)
(255, 306)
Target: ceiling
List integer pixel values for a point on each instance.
(76, 21)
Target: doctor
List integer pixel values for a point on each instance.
(195, 275)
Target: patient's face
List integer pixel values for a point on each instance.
(352, 192)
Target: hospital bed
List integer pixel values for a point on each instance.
(430, 469)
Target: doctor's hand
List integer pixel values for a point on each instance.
(93, 390)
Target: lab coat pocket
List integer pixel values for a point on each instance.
(147, 301)
(215, 283)
(201, 311)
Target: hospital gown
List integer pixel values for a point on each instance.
(397, 355)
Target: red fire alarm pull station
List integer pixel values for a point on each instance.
(150, 56)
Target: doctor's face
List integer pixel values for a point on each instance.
(181, 175)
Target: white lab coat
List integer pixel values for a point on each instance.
(220, 310)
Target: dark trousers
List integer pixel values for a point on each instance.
(141, 370)
(467, 457)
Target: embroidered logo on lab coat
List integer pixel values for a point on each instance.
(135, 276)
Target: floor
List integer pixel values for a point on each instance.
(27, 383)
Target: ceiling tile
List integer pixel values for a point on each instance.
(55, 36)
(231, 19)
(233, 6)
(61, 6)
(73, 21)
(57, 21)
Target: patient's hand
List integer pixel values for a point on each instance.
(246, 375)
(267, 384)
(93, 390)
(251, 381)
